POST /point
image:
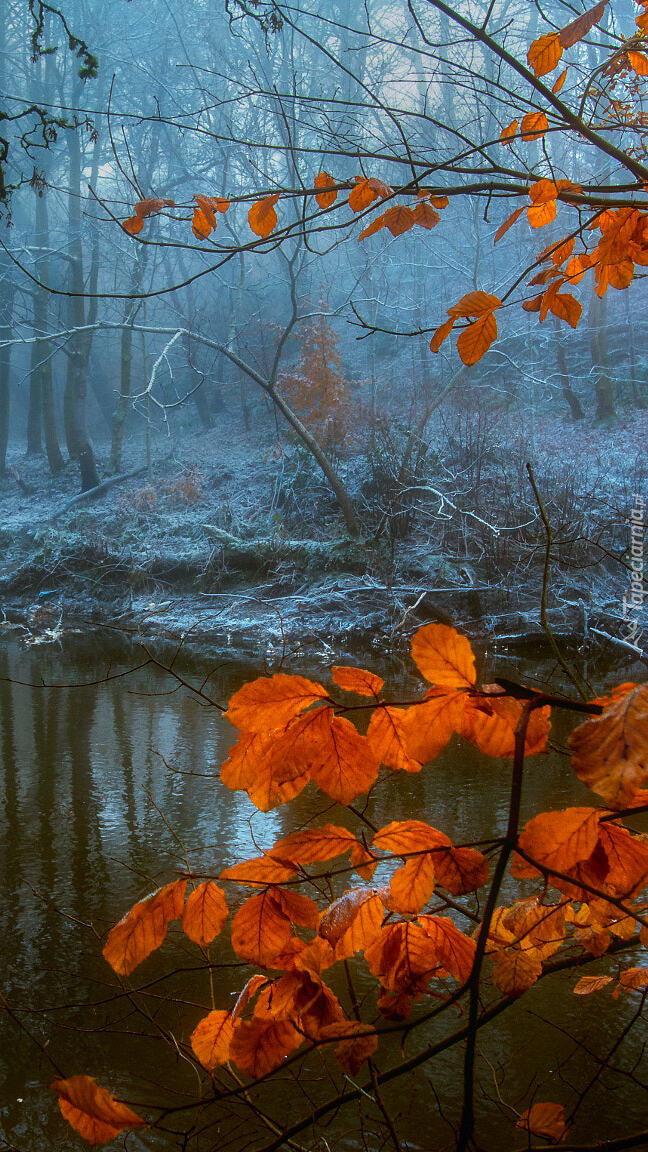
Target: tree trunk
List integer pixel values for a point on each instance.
(605, 407)
(7, 294)
(574, 403)
(42, 412)
(75, 401)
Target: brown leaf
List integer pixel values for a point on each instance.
(260, 1046)
(353, 921)
(425, 215)
(144, 928)
(572, 33)
(92, 1111)
(547, 1120)
(515, 971)
(588, 984)
(204, 913)
(508, 223)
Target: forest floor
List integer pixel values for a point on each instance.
(457, 538)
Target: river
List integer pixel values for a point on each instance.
(111, 788)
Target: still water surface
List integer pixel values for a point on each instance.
(108, 790)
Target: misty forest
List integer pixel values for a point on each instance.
(323, 481)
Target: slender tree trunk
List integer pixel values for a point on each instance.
(604, 388)
(573, 402)
(7, 295)
(44, 416)
(75, 401)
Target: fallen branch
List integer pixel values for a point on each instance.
(98, 490)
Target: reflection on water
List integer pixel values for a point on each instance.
(107, 791)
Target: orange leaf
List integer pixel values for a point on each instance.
(559, 82)
(441, 333)
(387, 738)
(588, 984)
(250, 990)
(357, 680)
(376, 224)
(363, 861)
(460, 870)
(474, 341)
(428, 726)
(547, 1120)
(404, 957)
(634, 978)
(566, 307)
(211, 1039)
(260, 1046)
(454, 950)
(270, 702)
(204, 913)
(475, 304)
(133, 225)
(412, 885)
(404, 836)
(262, 217)
(509, 132)
(92, 1111)
(541, 214)
(561, 840)
(343, 764)
(362, 195)
(297, 908)
(508, 223)
(325, 198)
(201, 224)
(610, 752)
(439, 201)
(579, 27)
(544, 53)
(490, 723)
(353, 921)
(443, 656)
(260, 871)
(425, 215)
(534, 125)
(313, 845)
(144, 928)
(260, 929)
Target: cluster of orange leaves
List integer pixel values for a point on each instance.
(316, 388)
(291, 731)
(624, 231)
